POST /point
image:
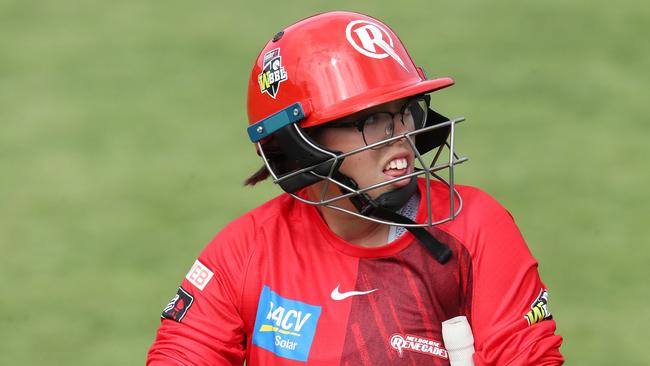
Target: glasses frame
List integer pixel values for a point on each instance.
(360, 124)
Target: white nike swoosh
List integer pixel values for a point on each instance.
(336, 295)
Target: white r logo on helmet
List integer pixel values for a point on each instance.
(370, 39)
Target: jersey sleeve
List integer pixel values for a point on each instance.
(510, 318)
(202, 324)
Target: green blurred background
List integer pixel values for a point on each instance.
(123, 149)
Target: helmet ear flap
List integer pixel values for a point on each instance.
(434, 138)
(291, 150)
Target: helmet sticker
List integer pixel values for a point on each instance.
(372, 40)
(273, 73)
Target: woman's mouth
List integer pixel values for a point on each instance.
(396, 167)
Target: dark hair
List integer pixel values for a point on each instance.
(260, 175)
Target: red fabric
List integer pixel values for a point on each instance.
(505, 284)
(285, 245)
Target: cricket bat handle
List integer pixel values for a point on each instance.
(459, 341)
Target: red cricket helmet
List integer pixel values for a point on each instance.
(333, 64)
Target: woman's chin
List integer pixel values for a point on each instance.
(374, 193)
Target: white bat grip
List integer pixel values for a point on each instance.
(459, 341)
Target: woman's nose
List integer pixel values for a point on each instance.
(398, 126)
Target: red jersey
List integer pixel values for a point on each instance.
(278, 287)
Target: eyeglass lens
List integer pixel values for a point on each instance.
(380, 126)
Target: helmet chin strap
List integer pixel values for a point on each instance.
(386, 206)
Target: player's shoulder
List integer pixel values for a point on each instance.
(243, 230)
(280, 207)
(478, 204)
(481, 218)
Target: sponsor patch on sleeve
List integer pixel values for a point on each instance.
(539, 309)
(285, 327)
(199, 275)
(178, 306)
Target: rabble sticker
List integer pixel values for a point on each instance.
(285, 327)
(273, 73)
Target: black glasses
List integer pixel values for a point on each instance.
(380, 126)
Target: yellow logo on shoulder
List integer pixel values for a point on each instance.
(539, 309)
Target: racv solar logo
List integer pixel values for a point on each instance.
(285, 327)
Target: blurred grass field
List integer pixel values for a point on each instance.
(123, 149)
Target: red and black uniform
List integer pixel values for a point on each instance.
(277, 287)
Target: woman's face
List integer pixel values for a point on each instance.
(372, 166)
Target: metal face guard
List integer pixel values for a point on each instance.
(326, 167)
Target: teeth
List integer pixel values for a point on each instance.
(397, 164)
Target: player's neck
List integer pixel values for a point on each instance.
(353, 229)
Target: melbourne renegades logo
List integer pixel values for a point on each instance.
(372, 40)
(273, 73)
(418, 344)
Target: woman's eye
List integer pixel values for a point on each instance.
(371, 120)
